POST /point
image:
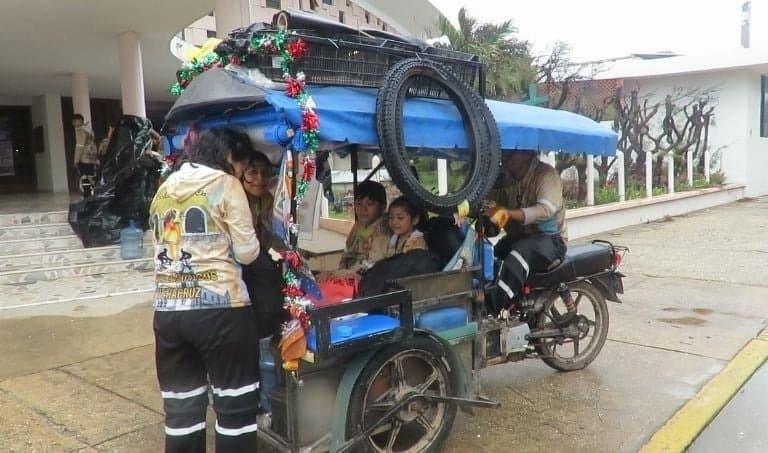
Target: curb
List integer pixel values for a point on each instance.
(682, 429)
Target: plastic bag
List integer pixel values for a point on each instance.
(126, 182)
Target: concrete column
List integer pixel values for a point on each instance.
(590, 180)
(649, 175)
(81, 97)
(671, 172)
(707, 172)
(442, 176)
(131, 74)
(622, 186)
(689, 167)
(231, 14)
(51, 164)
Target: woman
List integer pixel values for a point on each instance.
(263, 277)
(203, 320)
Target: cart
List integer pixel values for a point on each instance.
(389, 372)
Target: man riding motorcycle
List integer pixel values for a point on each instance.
(527, 202)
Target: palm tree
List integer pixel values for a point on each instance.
(509, 64)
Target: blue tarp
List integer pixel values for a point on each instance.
(348, 115)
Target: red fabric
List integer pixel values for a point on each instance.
(336, 290)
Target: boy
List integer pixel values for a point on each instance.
(368, 241)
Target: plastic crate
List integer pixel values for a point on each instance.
(362, 61)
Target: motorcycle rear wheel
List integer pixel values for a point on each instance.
(593, 319)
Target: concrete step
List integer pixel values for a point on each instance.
(63, 273)
(34, 231)
(33, 218)
(83, 287)
(39, 245)
(42, 260)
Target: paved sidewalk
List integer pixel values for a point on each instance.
(79, 376)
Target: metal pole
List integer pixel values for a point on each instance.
(294, 235)
(353, 157)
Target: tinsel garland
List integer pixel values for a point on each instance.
(305, 143)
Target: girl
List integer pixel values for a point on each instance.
(404, 217)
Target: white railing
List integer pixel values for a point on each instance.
(618, 167)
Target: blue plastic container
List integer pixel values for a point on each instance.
(131, 242)
(268, 372)
(343, 330)
(440, 319)
(488, 263)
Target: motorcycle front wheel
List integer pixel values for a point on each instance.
(570, 353)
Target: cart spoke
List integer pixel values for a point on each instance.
(387, 397)
(425, 424)
(578, 299)
(421, 388)
(576, 346)
(396, 425)
(398, 374)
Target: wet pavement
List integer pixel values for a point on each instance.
(740, 426)
(79, 375)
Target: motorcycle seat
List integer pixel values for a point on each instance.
(579, 261)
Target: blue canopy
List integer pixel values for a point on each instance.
(348, 115)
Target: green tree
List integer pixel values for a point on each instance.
(509, 63)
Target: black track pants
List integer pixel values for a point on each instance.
(198, 349)
(525, 257)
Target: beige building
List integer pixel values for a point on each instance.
(112, 57)
(343, 11)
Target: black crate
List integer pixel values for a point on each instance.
(362, 61)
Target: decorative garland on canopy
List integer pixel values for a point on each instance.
(305, 142)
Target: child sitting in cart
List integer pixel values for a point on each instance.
(368, 241)
(404, 218)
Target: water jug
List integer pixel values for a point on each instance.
(131, 242)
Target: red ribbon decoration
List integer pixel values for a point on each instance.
(309, 170)
(294, 87)
(292, 258)
(310, 121)
(292, 291)
(297, 49)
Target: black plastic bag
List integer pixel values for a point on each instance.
(119, 162)
(416, 262)
(94, 222)
(126, 182)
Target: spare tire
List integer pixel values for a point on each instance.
(483, 134)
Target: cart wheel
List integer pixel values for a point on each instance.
(413, 366)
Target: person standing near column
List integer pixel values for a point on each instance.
(86, 154)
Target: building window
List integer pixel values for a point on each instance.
(211, 14)
(378, 21)
(274, 4)
(328, 2)
(764, 106)
(349, 4)
(341, 16)
(367, 18)
(384, 26)
(210, 33)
